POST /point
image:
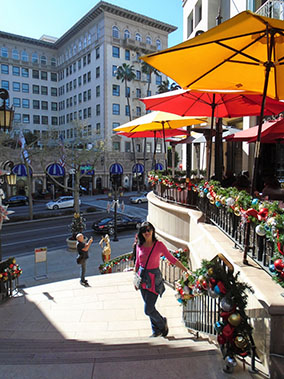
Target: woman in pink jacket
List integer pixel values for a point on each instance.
(150, 249)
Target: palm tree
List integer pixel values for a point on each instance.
(166, 87)
(126, 73)
(148, 70)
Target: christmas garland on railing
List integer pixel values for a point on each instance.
(106, 268)
(266, 215)
(233, 330)
(9, 270)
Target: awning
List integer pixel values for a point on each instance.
(20, 170)
(55, 169)
(116, 168)
(138, 168)
(159, 166)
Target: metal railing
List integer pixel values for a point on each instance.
(272, 9)
(8, 288)
(260, 249)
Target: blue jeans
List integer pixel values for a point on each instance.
(83, 270)
(157, 321)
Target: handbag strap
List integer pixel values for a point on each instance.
(149, 255)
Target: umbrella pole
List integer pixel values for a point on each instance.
(213, 105)
(257, 144)
(164, 137)
(154, 155)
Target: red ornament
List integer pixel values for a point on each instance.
(279, 265)
(222, 288)
(204, 284)
(228, 332)
(282, 275)
(221, 340)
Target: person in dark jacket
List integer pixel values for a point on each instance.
(83, 248)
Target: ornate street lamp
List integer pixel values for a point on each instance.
(6, 113)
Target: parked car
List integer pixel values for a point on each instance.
(62, 202)
(106, 225)
(16, 200)
(139, 199)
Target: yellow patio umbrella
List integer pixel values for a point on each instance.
(245, 52)
(159, 121)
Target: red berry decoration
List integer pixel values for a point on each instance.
(279, 265)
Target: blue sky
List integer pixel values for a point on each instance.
(33, 18)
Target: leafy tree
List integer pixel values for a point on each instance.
(148, 70)
(126, 74)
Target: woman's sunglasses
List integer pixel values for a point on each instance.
(144, 230)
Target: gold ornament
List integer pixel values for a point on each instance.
(241, 342)
(210, 271)
(235, 319)
(237, 211)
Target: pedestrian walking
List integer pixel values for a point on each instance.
(148, 253)
(82, 249)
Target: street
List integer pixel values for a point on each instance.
(21, 238)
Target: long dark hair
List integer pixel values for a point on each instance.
(140, 236)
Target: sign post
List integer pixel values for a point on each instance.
(40, 257)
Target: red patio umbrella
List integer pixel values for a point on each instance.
(213, 103)
(271, 132)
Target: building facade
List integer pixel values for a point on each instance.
(56, 83)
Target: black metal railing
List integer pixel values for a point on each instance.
(260, 249)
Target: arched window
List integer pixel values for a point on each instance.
(115, 32)
(85, 42)
(126, 34)
(25, 56)
(35, 58)
(43, 60)
(74, 49)
(89, 39)
(158, 44)
(138, 37)
(53, 62)
(80, 45)
(149, 40)
(4, 52)
(15, 54)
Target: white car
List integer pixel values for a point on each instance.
(140, 199)
(62, 202)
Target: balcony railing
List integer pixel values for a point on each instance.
(260, 249)
(272, 9)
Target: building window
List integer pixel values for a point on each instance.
(16, 102)
(138, 74)
(89, 94)
(116, 146)
(34, 58)
(98, 91)
(127, 112)
(35, 89)
(25, 56)
(158, 44)
(126, 34)
(53, 91)
(159, 148)
(89, 76)
(98, 72)
(25, 87)
(15, 54)
(75, 99)
(79, 81)
(115, 32)
(115, 90)
(158, 79)
(97, 52)
(80, 98)
(74, 83)
(53, 76)
(98, 110)
(53, 106)
(148, 147)
(98, 128)
(53, 62)
(89, 112)
(138, 92)
(85, 113)
(138, 148)
(4, 52)
(115, 109)
(198, 12)
(25, 72)
(138, 111)
(79, 64)
(44, 105)
(89, 58)
(16, 86)
(85, 96)
(127, 147)
(127, 55)
(36, 119)
(35, 104)
(115, 52)
(80, 114)
(43, 75)
(4, 69)
(54, 120)
(43, 60)
(149, 40)
(84, 78)
(115, 125)
(127, 92)
(25, 103)
(114, 70)
(35, 74)
(84, 60)
(5, 84)
(44, 120)
(17, 117)
(43, 90)
(16, 71)
(138, 37)
(26, 118)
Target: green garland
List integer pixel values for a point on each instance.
(9, 270)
